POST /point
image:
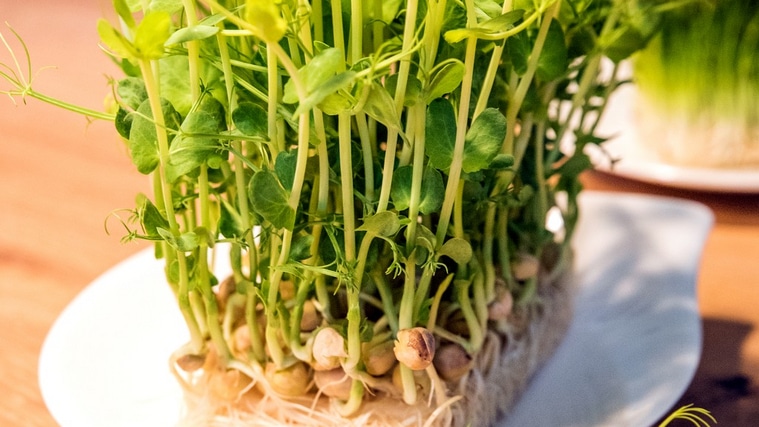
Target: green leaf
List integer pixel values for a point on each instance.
(266, 20)
(578, 163)
(196, 32)
(457, 249)
(400, 191)
(440, 133)
(331, 87)
(321, 78)
(459, 34)
(321, 68)
(185, 242)
(123, 122)
(390, 9)
(284, 167)
(432, 191)
(150, 217)
(301, 247)
(492, 29)
(214, 108)
(425, 238)
(131, 91)
(211, 20)
(553, 61)
(518, 51)
(445, 80)
(175, 81)
(168, 6)
(413, 88)
(143, 140)
(487, 8)
(251, 119)
(503, 22)
(125, 13)
(151, 34)
(484, 140)
(205, 236)
(501, 162)
(134, 5)
(270, 200)
(335, 104)
(230, 221)
(188, 152)
(115, 41)
(380, 106)
(623, 43)
(385, 223)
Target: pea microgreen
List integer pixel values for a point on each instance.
(382, 161)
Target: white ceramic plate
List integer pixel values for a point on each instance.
(619, 124)
(631, 350)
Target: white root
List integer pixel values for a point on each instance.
(484, 393)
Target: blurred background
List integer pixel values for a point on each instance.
(60, 177)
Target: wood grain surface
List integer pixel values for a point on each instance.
(61, 177)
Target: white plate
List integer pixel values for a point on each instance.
(630, 352)
(618, 123)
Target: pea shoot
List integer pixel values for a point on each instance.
(377, 173)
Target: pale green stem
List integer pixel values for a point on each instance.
(454, 174)
(540, 175)
(406, 321)
(323, 187)
(317, 10)
(488, 236)
(349, 227)
(502, 240)
(409, 309)
(408, 149)
(432, 321)
(435, 23)
(271, 113)
(378, 29)
(251, 319)
(515, 103)
(154, 98)
(354, 400)
(209, 299)
(400, 93)
(492, 70)
(417, 172)
(193, 50)
(95, 114)
(346, 184)
(212, 309)
(591, 71)
(277, 52)
(366, 147)
(272, 331)
(407, 313)
(458, 339)
(296, 315)
(257, 343)
(480, 301)
(337, 25)
(357, 31)
(386, 294)
(476, 337)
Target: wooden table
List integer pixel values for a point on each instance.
(61, 177)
